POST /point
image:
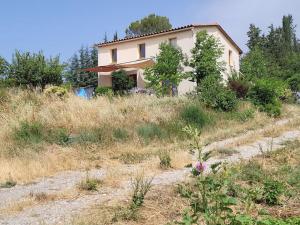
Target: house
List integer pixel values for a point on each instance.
(134, 53)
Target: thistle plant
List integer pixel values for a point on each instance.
(210, 200)
(196, 148)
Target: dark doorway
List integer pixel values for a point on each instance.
(134, 79)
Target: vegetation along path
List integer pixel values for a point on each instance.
(61, 210)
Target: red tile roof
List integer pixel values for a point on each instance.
(187, 27)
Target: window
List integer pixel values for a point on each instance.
(230, 58)
(173, 42)
(114, 55)
(142, 51)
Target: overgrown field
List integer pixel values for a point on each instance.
(41, 134)
(263, 191)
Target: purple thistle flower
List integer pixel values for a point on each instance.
(200, 167)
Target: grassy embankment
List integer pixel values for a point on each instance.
(41, 135)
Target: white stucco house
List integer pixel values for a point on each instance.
(134, 53)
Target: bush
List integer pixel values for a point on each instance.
(216, 96)
(273, 109)
(59, 136)
(294, 82)
(226, 100)
(140, 186)
(121, 82)
(150, 131)
(29, 132)
(266, 93)
(89, 184)
(272, 191)
(193, 115)
(8, 183)
(239, 85)
(252, 172)
(120, 134)
(245, 115)
(103, 91)
(91, 136)
(56, 91)
(165, 159)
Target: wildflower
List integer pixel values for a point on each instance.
(200, 167)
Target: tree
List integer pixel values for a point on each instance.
(167, 71)
(105, 39)
(288, 33)
(85, 58)
(149, 24)
(254, 65)
(116, 36)
(275, 54)
(121, 82)
(3, 66)
(205, 57)
(34, 70)
(255, 38)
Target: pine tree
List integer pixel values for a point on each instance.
(255, 38)
(94, 56)
(288, 33)
(116, 36)
(105, 39)
(75, 75)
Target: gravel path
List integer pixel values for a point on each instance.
(61, 182)
(62, 211)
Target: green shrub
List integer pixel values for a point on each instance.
(173, 128)
(165, 159)
(103, 91)
(95, 135)
(89, 184)
(252, 172)
(121, 82)
(120, 134)
(59, 136)
(266, 93)
(56, 91)
(226, 100)
(140, 187)
(29, 132)
(278, 221)
(245, 115)
(294, 82)
(272, 109)
(215, 95)
(8, 184)
(272, 191)
(35, 132)
(193, 115)
(150, 131)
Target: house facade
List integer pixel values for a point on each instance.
(137, 50)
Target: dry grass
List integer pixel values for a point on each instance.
(154, 210)
(36, 199)
(26, 162)
(164, 204)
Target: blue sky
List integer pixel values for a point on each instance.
(62, 26)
